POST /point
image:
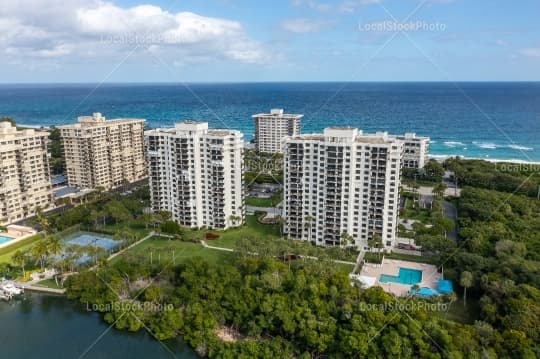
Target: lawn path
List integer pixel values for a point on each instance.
(112, 256)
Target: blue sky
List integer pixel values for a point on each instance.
(280, 40)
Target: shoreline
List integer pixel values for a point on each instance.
(442, 158)
(437, 157)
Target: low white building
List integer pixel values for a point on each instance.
(196, 173)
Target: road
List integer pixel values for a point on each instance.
(450, 212)
(271, 212)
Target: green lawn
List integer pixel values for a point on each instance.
(7, 252)
(345, 268)
(227, 239)
(49, 283)
(164, 250)
(159, 249)
(420, 214)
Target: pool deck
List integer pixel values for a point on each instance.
(430, 276)
(14, 239)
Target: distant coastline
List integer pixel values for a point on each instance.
(442, 158)
(435, 156)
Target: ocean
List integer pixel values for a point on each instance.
(475, 120)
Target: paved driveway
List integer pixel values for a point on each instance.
(450, 212)
(271, 212)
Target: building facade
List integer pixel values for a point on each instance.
(196, 174)
(25, 178)
(271, 128)
(342, 181)
(415, 150)
(104, 153)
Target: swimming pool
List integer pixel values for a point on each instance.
(4, 239)
(425, 292)
(405, 276)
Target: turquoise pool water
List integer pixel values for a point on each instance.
(425, 292)
(406, 276)
(4, 239)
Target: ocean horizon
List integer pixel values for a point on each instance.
(485, 120)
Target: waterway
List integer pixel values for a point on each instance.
(49, 326)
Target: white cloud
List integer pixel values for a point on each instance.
(302, 25)
(313, 4)
(54, 28)
(351, 6)
(344, 6)
(530, 52)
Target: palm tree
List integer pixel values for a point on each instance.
(41, 251)
(147, 219)
(20, 258)
(345, 239)
(466, 282)
(376, 242)
(54, 248)
(415, 187)
(281, 223)
(73, 254)
(234, 219)
(438, 190)
(309, 225)
(43, 221)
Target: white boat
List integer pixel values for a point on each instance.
(11, 289)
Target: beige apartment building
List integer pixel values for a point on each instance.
(196, 174)
(342, 181)
(25, 179)
(271, 128)
(104, 153)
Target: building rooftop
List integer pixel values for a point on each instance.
(222, 133)
(188, 127)
(8, 131)
(338, 133)
(278, 113)
(97, 120)
(412, 136)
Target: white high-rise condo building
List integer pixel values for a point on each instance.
(271, 128)
(196, 174)
(25, 178)
(342, 181)
(415, 150)
(104, 153)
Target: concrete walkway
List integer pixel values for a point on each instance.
(271, 212)
(38, 288)
(205, 245)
